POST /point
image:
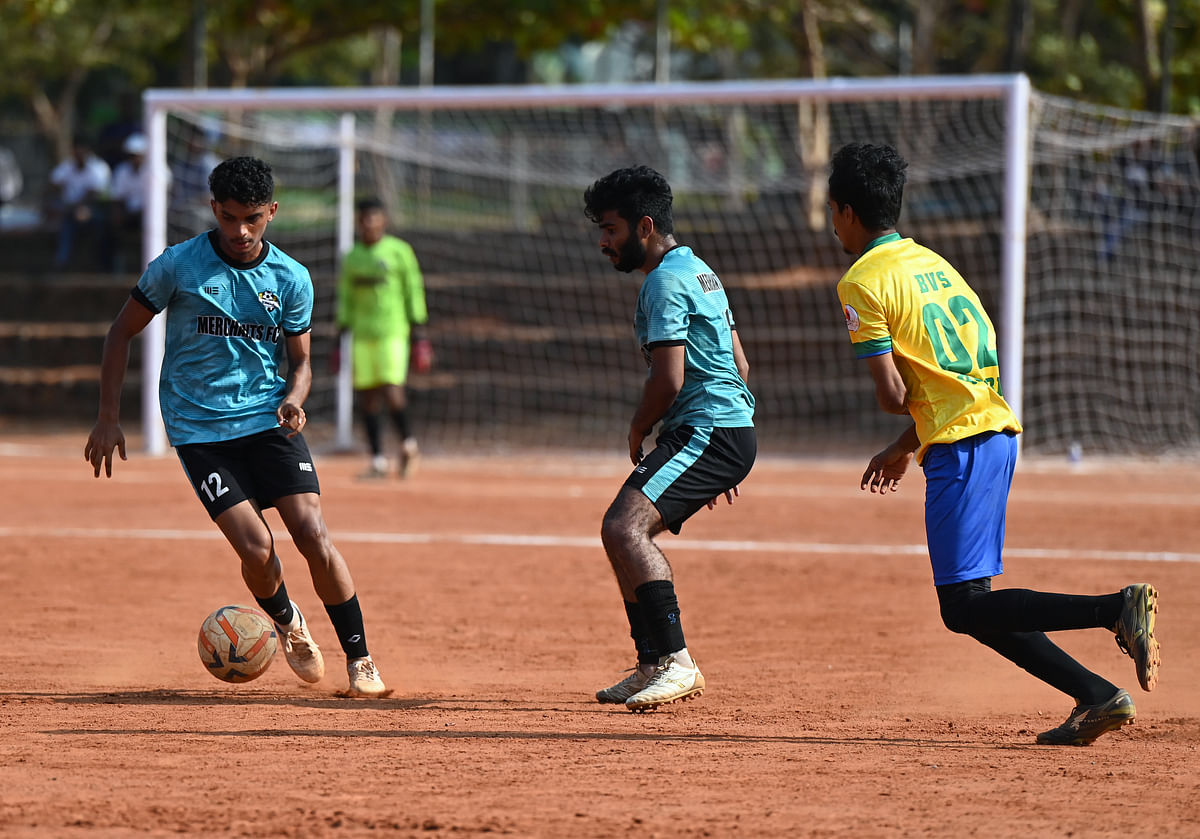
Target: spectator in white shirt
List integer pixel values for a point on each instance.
(82, 180)
(129, 185)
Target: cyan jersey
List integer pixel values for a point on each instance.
(226, 324)
(682, 302)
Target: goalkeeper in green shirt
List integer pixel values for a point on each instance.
(381, 301)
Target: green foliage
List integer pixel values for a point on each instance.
(48, 43)
(1078, 69)
(1088, 49)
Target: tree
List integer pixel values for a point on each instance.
(52, 46)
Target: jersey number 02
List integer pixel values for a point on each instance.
(958, 360)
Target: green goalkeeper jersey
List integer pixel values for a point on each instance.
(380, 292)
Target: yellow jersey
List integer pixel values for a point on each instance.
(902, 298)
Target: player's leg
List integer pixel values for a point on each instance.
(1100, 706)
(370, 401)
(627, 533)
(1129, 614)
(410, 452)
(972, 608)
(647, 654)
(301, 514)
(687, 469)
(367, 382)
(224, 481)
(248, 533)
(393, 370)
(286, 479)
(967, 486)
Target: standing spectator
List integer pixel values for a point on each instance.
(10, 177)
(129, 184)
(381, 301)
(81, 180)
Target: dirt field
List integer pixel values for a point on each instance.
(837, 704)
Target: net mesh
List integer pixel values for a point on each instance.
(1113, 300)
(532, 328)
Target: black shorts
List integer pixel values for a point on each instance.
(690, 467)
(261, 467)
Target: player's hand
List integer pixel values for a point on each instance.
(291, 416)
(104, 438)
(730, 494)
(422, 355)
(635, 445)
(885, 470)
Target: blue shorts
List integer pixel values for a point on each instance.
(966, 493)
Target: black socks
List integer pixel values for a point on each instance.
(347, 622)
(660, 611)
(647, 653)
(278, 605)
(374, 433)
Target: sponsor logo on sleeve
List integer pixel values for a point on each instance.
(852, 322)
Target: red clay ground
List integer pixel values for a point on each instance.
(837, 706)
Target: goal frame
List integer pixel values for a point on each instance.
(1013, 89)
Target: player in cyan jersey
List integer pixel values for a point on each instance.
(931, 351)
(231, 300)
(696, 388)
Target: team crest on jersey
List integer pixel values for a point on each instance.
(852, 322)
(269, 299)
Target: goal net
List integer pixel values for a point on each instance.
(532, 328)
(1112, 311)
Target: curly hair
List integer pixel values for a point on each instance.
(369, 204)
(246, 180)
(871, 180)
(634, 192)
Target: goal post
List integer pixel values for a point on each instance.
(1013, 90)
(532, 327)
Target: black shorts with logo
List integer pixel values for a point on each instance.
(690, 467)
(260, 467)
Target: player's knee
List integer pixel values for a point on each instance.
(614, 532)
(311, 538)
(256, 554)
(954, 601)
(956, 618)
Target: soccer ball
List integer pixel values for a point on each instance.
(237, 643)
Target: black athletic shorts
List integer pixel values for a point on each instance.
(690, 467)
(261, 467)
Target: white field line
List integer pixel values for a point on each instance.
(533, 540)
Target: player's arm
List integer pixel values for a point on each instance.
(290, 412)
(343, 312)
(418, 313)
(107, 434)
(663, 384)
(739, 358)
(890, 391)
